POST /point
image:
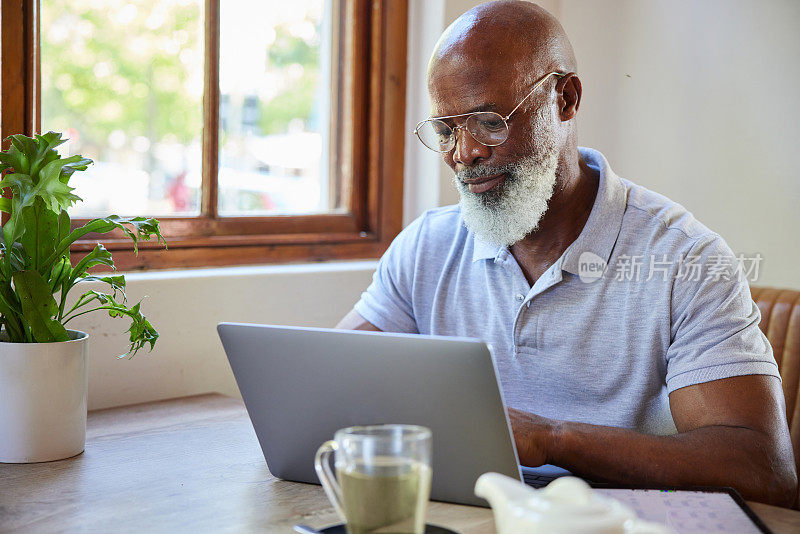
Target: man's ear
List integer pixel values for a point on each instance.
(569, 91)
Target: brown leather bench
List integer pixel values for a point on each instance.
(780, 322)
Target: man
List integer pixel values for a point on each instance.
(627, 345)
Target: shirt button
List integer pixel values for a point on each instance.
(520, 297)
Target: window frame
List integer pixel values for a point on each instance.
(371, 100)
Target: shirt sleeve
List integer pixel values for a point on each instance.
(714, 329)
(387, 302)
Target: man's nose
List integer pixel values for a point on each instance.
(467, 150)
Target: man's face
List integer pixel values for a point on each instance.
(504, 189)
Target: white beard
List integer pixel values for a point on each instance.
(513, 209)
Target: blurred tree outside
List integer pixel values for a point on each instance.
(124, 79)
(291, 53)
(121, 65)
(274, 110)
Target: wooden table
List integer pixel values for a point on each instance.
(192, 465)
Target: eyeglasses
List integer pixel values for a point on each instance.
(486, 127)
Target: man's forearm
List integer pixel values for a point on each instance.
(713, 456)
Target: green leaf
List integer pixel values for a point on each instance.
(49, 141)
(5, 204)
(60, 273)
(15, 256)
(55, 193)
(11, 311)
(141, 331)
(63, 231)
(80, 165)
(10, 159)
(144, 229)
(63, 225)
(20, 183)
(40, 237)
(98, 256)
(27, 151)
(41, 161)
(24, 144)
(5, 267)
(39, 307)
(117, 283)
(18, 257)
(9, 298)
(8, 233)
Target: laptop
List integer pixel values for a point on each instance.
(300, 385)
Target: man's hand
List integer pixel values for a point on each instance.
(731, 432)
(532, 435)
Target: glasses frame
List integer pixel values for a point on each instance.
(504, 119)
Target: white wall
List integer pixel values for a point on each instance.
(698, 101)
(185, 307)
(423, 182)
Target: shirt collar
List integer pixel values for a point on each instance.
(483, 250)
(601, 230)
(600, 233)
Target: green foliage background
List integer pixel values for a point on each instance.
(143, 93)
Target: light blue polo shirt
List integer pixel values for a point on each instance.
(646, 300)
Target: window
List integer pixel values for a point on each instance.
(255, 131)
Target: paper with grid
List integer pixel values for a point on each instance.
(687, 512)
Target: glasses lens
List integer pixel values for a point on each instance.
(488, 128)
(436, 135)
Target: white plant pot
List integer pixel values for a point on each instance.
(43, 389)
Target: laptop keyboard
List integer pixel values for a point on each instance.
(536, 480)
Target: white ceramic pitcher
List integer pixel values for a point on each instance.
(566, 505)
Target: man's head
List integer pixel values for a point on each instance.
(489, 59)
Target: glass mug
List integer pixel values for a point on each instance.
(384, 477)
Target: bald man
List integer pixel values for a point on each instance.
(643, 373)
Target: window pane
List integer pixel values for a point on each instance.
(124, 80)
(275, 120)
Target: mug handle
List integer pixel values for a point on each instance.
(325, 475)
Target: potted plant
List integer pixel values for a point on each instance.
(43, 364)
